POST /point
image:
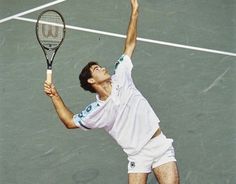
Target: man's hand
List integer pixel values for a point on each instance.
(134, 5)
(50, 90)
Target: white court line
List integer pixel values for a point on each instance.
(140, 39)
(31, 10)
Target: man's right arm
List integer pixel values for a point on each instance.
(65, 115)
(130, 41)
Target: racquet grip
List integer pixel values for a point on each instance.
(49, 76)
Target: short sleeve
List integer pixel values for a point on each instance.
(81, 120)
(124, 63)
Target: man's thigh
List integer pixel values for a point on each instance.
(167, 173)
(137, 178)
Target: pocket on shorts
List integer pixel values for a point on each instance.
(158, 145)
(159, 141)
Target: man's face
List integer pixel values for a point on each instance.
(99, 74)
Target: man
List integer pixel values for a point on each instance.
(124, 113)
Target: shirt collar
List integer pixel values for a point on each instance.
(100, 102)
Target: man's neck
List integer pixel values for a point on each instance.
(104, 90)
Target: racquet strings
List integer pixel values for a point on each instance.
(50, 30)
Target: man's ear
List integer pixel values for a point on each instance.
(91, 81)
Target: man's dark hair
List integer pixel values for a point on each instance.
(85, 74)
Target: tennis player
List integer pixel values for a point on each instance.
(124, 113)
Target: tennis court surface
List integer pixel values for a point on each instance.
(184, 63)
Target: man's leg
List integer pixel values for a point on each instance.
(137, 178)
(167, 173)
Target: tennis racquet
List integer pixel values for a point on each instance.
(50, 32)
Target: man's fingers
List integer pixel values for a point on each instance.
(47, 84)
(47, 88)
(134, 3)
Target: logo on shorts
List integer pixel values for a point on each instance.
(132, 164)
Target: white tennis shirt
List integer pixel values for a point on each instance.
(125, 115)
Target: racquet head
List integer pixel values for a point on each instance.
(50, 29)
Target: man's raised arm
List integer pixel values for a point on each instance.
(130, 41)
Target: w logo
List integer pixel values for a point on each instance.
(50, 31)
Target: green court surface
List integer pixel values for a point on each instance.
(193, 92)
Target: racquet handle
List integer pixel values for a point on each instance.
(49, 76)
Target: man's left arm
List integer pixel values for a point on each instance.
(130, 41)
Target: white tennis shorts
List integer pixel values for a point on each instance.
(157, 151)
